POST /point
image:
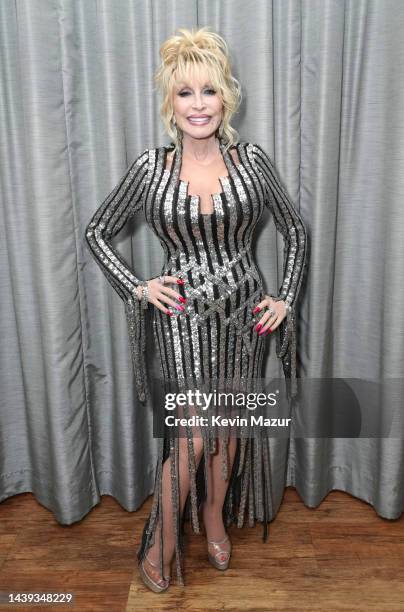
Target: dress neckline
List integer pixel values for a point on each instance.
(175, 170)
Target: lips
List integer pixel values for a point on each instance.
(199, 120)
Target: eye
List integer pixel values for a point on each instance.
(210, 92)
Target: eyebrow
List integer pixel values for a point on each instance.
(181, 85)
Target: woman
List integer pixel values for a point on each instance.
(203, 196)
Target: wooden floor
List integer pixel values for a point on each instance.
(338, 556)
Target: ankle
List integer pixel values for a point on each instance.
(213, 521)
(211, 510)
(153, 569)
(153, 555)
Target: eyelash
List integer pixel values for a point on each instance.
(185, 93)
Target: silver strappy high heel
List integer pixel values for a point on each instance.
(221, 563)
(157, 587)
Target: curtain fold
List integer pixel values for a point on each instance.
(323, 92)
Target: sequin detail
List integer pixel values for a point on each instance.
(214, 337)
(119, 206)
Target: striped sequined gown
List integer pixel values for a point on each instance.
(214, 337)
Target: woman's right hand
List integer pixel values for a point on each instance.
(160, 294)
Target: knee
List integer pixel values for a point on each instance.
(197, 444)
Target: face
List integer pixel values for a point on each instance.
(197, 107)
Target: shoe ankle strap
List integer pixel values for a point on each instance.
(157, 566)
(151, 562)
(165, 578)
(225, 539)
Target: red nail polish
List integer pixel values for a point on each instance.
(258, 326)
(182, 299)
(180, 281)
(256, 309)
(263, 331)
(169, 312)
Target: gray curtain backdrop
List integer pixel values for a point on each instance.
(323, 94)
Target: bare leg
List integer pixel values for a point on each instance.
(217, 488)
(168, 527)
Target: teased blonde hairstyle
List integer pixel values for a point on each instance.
(186, 54)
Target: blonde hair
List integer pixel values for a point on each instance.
(188, 52)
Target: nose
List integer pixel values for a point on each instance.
(198, 101)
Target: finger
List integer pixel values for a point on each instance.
(266, 322)
(173, 279)
(167, 300)
(268, 314)
(274, 325)
(266, 302)
(161, 306)
(171, 292)
(259, 307)
(261, 323)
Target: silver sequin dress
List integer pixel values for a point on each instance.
(214, 338)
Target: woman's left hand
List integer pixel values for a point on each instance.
(273, 314)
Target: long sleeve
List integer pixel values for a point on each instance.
(119, 206)
(290, 224)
